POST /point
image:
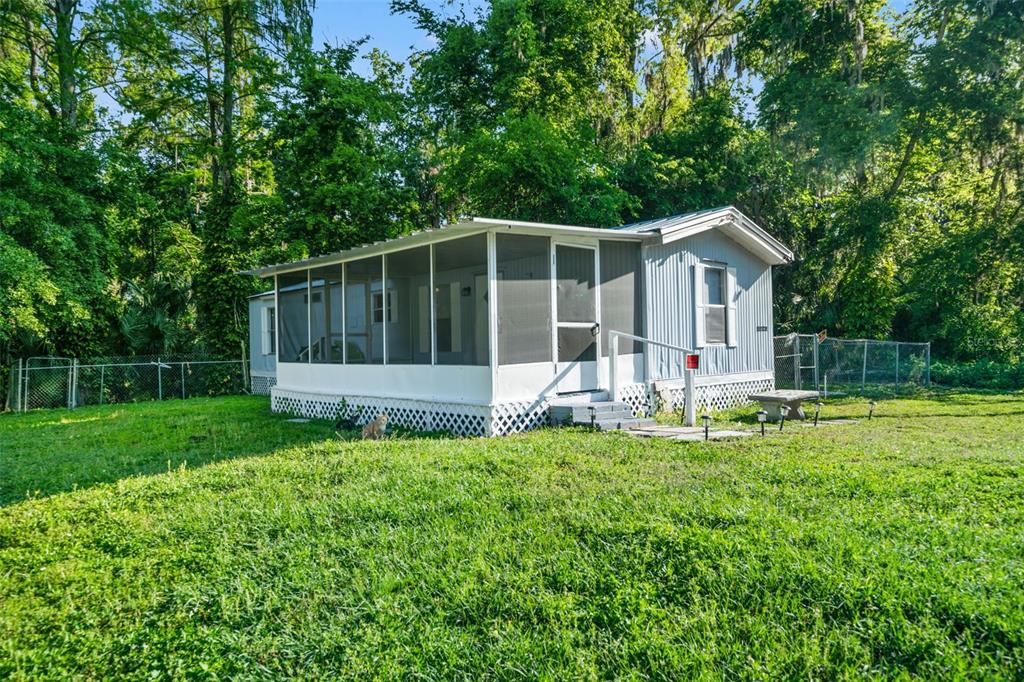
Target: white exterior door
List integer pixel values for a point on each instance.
(577, 329)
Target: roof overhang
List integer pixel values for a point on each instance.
(738, 227)
(463, 228)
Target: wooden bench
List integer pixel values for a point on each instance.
(772, 401)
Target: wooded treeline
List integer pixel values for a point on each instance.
(150, 149)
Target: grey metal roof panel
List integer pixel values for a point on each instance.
(658, 224)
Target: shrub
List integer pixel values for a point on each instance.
(979, 374)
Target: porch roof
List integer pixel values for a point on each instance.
(464, 227)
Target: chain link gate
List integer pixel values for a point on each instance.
(796, 362)
(66, 382)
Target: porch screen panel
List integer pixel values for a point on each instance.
(364, 311)
(524, 299)
(408, 304)
(460, 301)
(293, 317)
(621, 295)
(325, 319)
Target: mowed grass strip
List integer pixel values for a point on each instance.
(892, 547)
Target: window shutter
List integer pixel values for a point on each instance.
(456, 298)
(698, 304)
(730, 308)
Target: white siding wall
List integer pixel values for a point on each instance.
(670, 314)
(258, 362)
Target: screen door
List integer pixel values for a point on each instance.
(576, 317)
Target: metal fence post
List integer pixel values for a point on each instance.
(16, 387)
(928, 364)
(68, 393)
(817, 379)
(74, 383)
(182, 365)
(159, 379)
(864, 369)
(102, 373)
(897, 364)
(797, 362)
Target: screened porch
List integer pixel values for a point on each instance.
(418, 321)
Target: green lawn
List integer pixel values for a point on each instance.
(251, 547)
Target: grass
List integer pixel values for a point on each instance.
(266, 549)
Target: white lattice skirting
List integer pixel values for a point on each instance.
(418, 415)
(261, 385)
(711, 397)
(497, 420)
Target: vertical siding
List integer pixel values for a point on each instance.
(258, 362)
(670, 314)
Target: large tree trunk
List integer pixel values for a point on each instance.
(64, 12)
(228, 159)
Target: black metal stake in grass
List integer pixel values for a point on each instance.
(593, 416)
(706, 418)
(871, 409)
(762, 417)
(817, 411)
(783, 410)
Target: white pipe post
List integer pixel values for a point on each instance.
(159, 380)
(689, 394)
(613, 354)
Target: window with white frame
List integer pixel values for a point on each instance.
(269, 325)
(715, 304)
(378, 306)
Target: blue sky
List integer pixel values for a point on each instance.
(339, 21)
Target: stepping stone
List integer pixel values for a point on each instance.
(687, 433)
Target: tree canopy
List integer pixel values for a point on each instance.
(151, 149)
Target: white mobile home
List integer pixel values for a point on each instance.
(480, 326)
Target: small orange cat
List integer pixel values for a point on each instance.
(375, 429)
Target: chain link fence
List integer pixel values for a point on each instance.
(806, 362)
(68, 382)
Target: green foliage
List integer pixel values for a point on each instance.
(212, 538)
(352, 132)
(528, 170)
(52, 239)
(883, 147)
(1005, 376)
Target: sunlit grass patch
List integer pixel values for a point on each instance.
(266, 549)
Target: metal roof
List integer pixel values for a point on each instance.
(728, 218)
(658, 224)
(462, 228)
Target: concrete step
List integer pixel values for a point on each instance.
(627, 423)
(583, 414)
